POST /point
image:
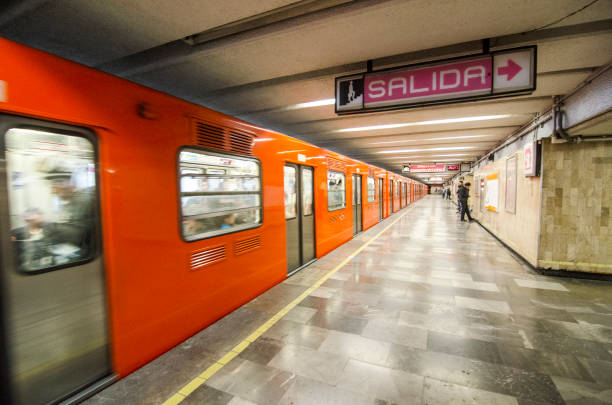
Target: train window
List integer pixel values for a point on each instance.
(219, 193)
(336, 190)
(52, 196)
(371, 189)
(307, 192)
(290, 192)
(396, 189)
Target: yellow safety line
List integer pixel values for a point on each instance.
(227, 357)
(576, 263)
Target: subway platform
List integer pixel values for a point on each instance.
(420, 309)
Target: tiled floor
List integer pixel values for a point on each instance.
(434, 311)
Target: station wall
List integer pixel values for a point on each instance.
(561, 218)
(576, 200)
(518, 229)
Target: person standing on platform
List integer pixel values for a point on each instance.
(463, 194)
(458, 199)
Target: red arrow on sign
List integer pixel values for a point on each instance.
(511, 70)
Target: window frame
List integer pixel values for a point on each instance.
(310, 169)
(221, 154)
(368, 188)
(297, 208)
(327, 190)
(8, 122)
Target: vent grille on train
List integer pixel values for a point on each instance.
(207, 257)
(371, 172)
(241, 142)
(216, 137)
(246, 245)
(335, 164)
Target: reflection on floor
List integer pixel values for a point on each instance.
(434, 311)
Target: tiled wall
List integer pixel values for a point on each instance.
(576, 203)
(519, 230)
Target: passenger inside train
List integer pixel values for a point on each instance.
(52, 198)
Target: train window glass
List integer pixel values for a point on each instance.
(396, 190)
(336, 190)
(51, 190)
(290, 192)
(371, 189)
(219, 193)
(307, 192)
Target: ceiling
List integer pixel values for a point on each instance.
(264, 61)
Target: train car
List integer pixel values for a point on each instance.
(132, 220)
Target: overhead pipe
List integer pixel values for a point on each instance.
(558, 130)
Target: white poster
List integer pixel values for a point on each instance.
(492, 198)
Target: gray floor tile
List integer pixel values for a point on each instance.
(356, 347)
(471, 348)
(395, 333)
(252, 381)
(206, 394)
(305, 391)
(582, 392)
(262, 350)
(483, 305)
(337, 321)
(437, 392)
(300, 314)
(543, 285)
(297, 334)
(375, 381)
(519, 383)
(320, 366)
(600, 370)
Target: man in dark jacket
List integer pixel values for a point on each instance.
(459, 187)
(463, 194)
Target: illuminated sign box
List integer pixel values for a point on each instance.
(492, 75)
(452, 168)
(426, 168)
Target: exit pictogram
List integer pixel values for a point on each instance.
(514, 70)
(511, 70)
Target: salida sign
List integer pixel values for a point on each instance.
(463, 79)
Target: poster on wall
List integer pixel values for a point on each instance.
(492, 197)
(511, 184)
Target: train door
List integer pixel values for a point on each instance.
(299, 216)
(391, 197)
(357, 204)
(54, 317)
(381, 192)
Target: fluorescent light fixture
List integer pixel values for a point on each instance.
(432, 139)
(432, 156)
(431, 122)
(430, 149)
(431, 160)
(310, 104)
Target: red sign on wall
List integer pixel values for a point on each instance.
(427, 168)
(452, 168)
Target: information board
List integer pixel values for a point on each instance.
(492, 197)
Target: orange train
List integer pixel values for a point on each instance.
(133, 220)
